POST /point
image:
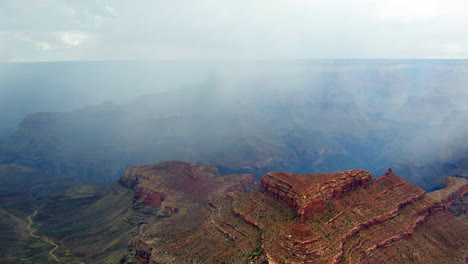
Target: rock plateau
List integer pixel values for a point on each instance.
(342, 217)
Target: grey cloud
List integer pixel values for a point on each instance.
(239, 29)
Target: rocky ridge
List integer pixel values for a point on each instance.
(455, 189)
(173, 196)
(453, 196)
(309, 194)
(343, 217)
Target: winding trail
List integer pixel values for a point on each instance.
(45, 239)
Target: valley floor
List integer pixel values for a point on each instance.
(45, 239)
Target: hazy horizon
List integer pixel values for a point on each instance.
(350, 107)
(207, 131)
(52, 30)
(32, 87)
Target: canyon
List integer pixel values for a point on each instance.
(179, 212)
(299, 117)
(342, 217)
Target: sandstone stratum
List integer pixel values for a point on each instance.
(195, 215)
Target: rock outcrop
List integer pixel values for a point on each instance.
(455, 189)
(146, 198)
(343, 217)
(308, 194)
(454, 197)
(174, 196)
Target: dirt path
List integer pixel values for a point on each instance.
(45, 239)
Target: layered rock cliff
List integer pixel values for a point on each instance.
(173, 197)
(455, 189)
(454, 197)
(308, 194)
(343, 217)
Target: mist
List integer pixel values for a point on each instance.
(26, 88)
(241, 116)
(282, 130)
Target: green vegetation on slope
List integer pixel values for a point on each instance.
(17, 245)
(87, 229)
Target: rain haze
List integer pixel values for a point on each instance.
(346, 84)
(233, 131)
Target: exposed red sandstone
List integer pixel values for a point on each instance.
(455, 189)
(344, 217)
(307, 193)
(148, 197)
(178, 192)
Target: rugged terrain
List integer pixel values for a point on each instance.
(343, 217)
(99, 229)
(24, 192)
(295, 116)
(454, 197)
(178, 212)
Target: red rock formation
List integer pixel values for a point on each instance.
(454, 197)
(344, 217)
(455, 189)
(307, 193)
(176, 192)
(148, 197)
(387, 211)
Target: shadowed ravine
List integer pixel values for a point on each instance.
(45, 239)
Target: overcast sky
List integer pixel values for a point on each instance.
(57, 30)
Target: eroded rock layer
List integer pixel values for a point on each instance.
(343, 217)
(174, 197)
(306, 193)
(454, 197)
